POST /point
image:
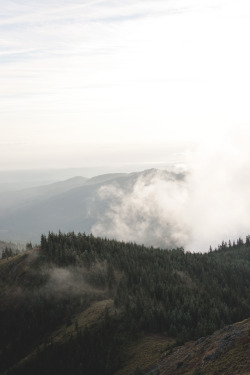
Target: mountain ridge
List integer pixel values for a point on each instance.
(121, 308)
(77, 204)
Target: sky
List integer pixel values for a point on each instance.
(102, 82)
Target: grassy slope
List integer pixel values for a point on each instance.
(140, 353)
(19, 274)
(92, 315)
(144, 352)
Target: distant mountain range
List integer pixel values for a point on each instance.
(106, 205)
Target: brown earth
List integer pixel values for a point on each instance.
(226, 351)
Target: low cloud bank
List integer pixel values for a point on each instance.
(206, 204)
(148, 211)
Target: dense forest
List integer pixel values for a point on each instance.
(183, 295)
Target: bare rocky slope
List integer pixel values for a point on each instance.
(226, 351)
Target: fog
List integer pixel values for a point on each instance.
(194, 204)
(210, 204)
(75, 280)
(149, 211)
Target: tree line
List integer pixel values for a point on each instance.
(181, 294)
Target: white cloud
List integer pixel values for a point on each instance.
(211, 205)
(148, 211)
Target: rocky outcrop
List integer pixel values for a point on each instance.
(227, 351)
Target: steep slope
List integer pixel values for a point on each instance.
(81, 304)
(227, 351)
(41, 303)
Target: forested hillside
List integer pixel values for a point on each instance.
(77, 304)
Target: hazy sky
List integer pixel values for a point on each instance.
(99, 82)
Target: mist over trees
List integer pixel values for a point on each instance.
(181, 294)
(166, 289)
